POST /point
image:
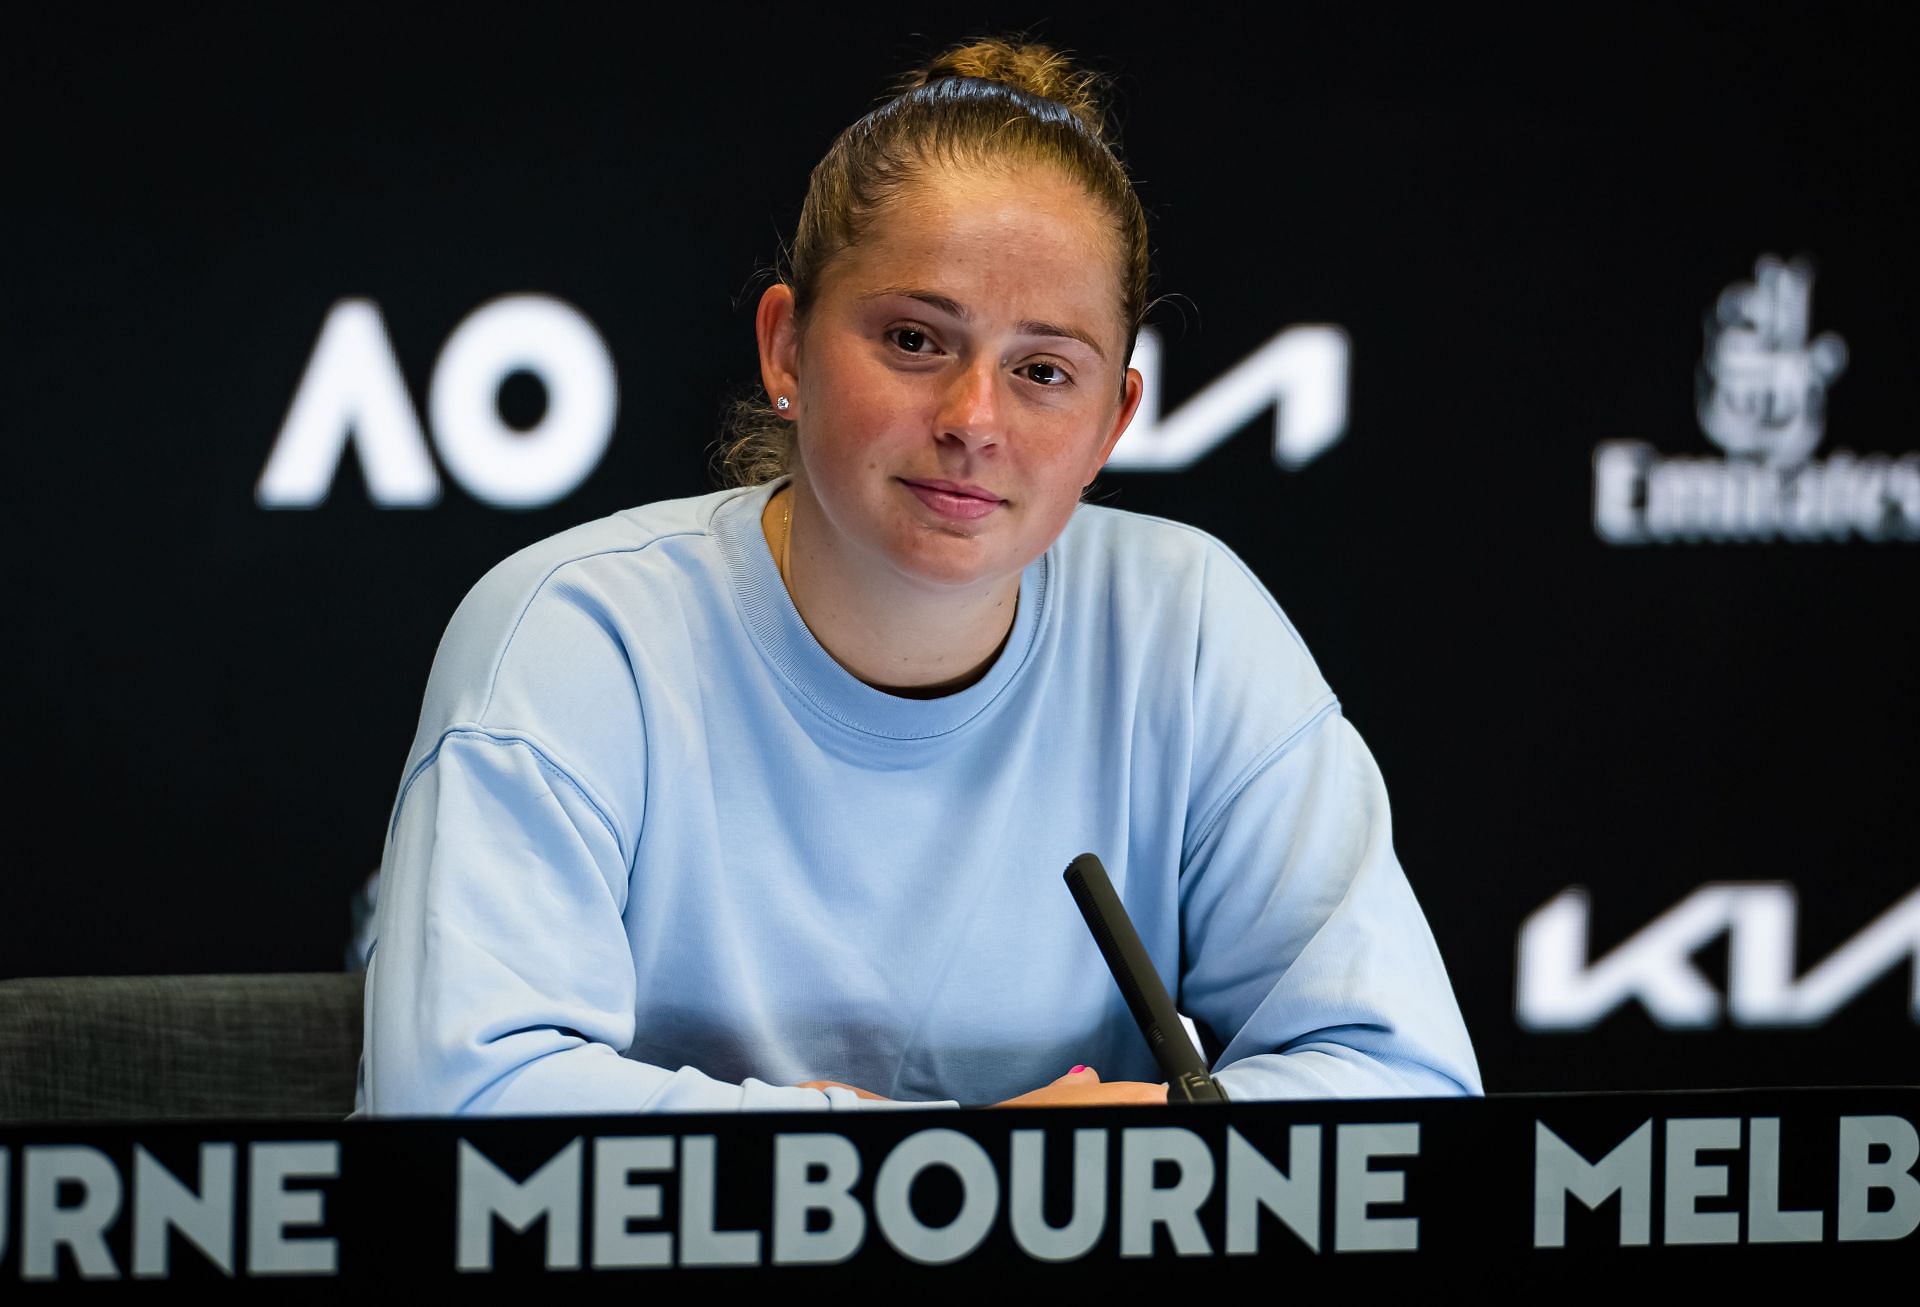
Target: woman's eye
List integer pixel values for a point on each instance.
(908, 339)
(1047, 374)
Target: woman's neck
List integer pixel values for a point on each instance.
(895, 637)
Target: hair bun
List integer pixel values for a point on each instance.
(1036, 69)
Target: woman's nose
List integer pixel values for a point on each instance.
(971, 408)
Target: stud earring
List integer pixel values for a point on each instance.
(783, 403)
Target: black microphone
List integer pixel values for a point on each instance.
(1180, 1061)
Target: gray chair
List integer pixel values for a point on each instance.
(147, 1047)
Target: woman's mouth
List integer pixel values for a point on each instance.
(956, 500)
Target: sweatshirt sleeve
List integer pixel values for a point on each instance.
(1304, 950)
(502, 979)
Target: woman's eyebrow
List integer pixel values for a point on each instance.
(953, 308)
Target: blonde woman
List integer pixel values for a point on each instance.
(761, 799)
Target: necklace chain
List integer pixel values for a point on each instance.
(786, 541)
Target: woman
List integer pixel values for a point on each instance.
(761, 799)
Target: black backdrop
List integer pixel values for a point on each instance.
(1519, 228)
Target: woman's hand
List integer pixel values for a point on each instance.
(835, 1084)
(1082, 1087)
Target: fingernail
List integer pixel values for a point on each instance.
(1076, 1071)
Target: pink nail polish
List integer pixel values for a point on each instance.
(1076, 1071)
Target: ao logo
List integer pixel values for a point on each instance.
(1560, 989)
(353, 390)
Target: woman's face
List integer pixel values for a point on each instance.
(959, 377)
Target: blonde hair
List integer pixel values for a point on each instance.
(993, 102)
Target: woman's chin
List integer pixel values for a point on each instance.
(950, 566)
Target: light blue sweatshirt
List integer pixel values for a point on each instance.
(654, 850)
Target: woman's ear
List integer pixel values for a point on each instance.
(779, 336)
(1129, 405)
